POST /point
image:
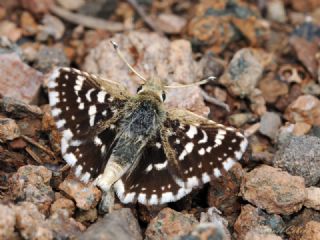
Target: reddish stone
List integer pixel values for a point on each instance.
(86, 196)
(18, 80)
(169, 224)
(274, 190)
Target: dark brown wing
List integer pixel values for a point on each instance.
(80, 102)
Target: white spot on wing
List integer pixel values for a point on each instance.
(167, 197)
(70, 159)
(78, 170)
(61, 123)
(92, 113)
(88, 94)
(64, 145)
(85, 177)
(189, 147)
(216, 172)
(160, 166)
(192, 182)
(208, 150)
(52, 83)
(101, 96)
(205, 177)
(192, 131)
(205, 137)
(153, 199)
(142, 198)
(219, 137)
(53, 98)
(54, 75)
(244, 145)
(149, 168)
(56, 111)
(81, 106)
(67, 134)
(97, 141)
(201, 151)
(238, 154)
(228, 164)
(183, 154)
(92, 110)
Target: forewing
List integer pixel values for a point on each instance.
(202, 148)
(150, 182)
(80, 102)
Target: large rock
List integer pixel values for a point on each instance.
(300, 156)
(274, 190)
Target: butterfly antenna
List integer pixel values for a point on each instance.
(119, 53)
(201, 82)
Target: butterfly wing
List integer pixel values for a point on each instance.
(150, 182)
(202, 149)
(80, 103)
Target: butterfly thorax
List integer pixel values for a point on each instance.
(139, 126)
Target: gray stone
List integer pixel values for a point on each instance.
(300, 156)
(120, 224)
(270, 124)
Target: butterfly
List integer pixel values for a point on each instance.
(136, 145)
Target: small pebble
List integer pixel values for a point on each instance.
(87, 216)
(37, 7)
(19, 109)
(52, 27)
(9, 130)
(31, 223)
(63, 203)
(71, 4)
(48, 58)
(7, 222)
(239, 119)
(171, 23)
(31, 183)
(120, 224)
(170, 224)
(252, 218)
(245, 70)
(270, 124)
(276, 11)
(261, 233)
(305, 108)
(86, 196)
(311, 231)
(313, 198)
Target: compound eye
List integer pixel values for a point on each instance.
(163, 96)
(139, 88)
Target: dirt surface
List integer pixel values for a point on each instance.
(265, 56)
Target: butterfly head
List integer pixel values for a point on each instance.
(153, 86)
